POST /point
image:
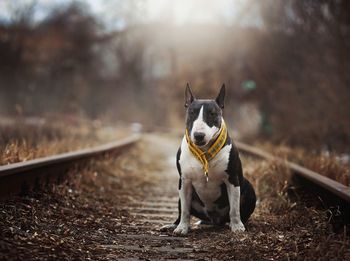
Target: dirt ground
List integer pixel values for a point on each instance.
(112, 210)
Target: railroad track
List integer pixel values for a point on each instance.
(25, 175)
(139, 236)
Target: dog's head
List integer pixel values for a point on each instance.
(204, 117)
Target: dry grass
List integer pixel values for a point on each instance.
(327, 164)
(21, 142)
(271, 182)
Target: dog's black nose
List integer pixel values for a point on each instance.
(198, 136)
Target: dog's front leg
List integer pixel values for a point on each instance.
(185, 194)
(234, 194)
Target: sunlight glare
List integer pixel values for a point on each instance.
(191, 11)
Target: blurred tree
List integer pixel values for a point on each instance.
(305, 83)
(289, 57)
(13, 66)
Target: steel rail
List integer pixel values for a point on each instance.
(328, 184)
(19, 177)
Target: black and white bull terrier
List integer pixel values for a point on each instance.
(211, 185)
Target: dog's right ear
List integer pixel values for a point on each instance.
(188, 96)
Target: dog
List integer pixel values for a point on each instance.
(211, 183)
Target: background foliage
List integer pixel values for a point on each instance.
(287, 76)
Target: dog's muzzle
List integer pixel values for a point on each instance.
(199, 138)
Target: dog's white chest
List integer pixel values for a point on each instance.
(191, 169)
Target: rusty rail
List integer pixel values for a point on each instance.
(330, 185)
(24, 176)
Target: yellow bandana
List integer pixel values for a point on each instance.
(205, 156)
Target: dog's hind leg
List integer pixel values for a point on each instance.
(248, 201)
(203, 223)
(170, 226)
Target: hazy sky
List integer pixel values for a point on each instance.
(176, 11)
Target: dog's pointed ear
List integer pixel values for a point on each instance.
(189, 98)
(220, 100)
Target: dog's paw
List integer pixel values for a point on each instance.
(167, 227)
(202, 223)
(237, 227)
(182, 229)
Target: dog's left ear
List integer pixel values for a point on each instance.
(220, 100)
(189, 97)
